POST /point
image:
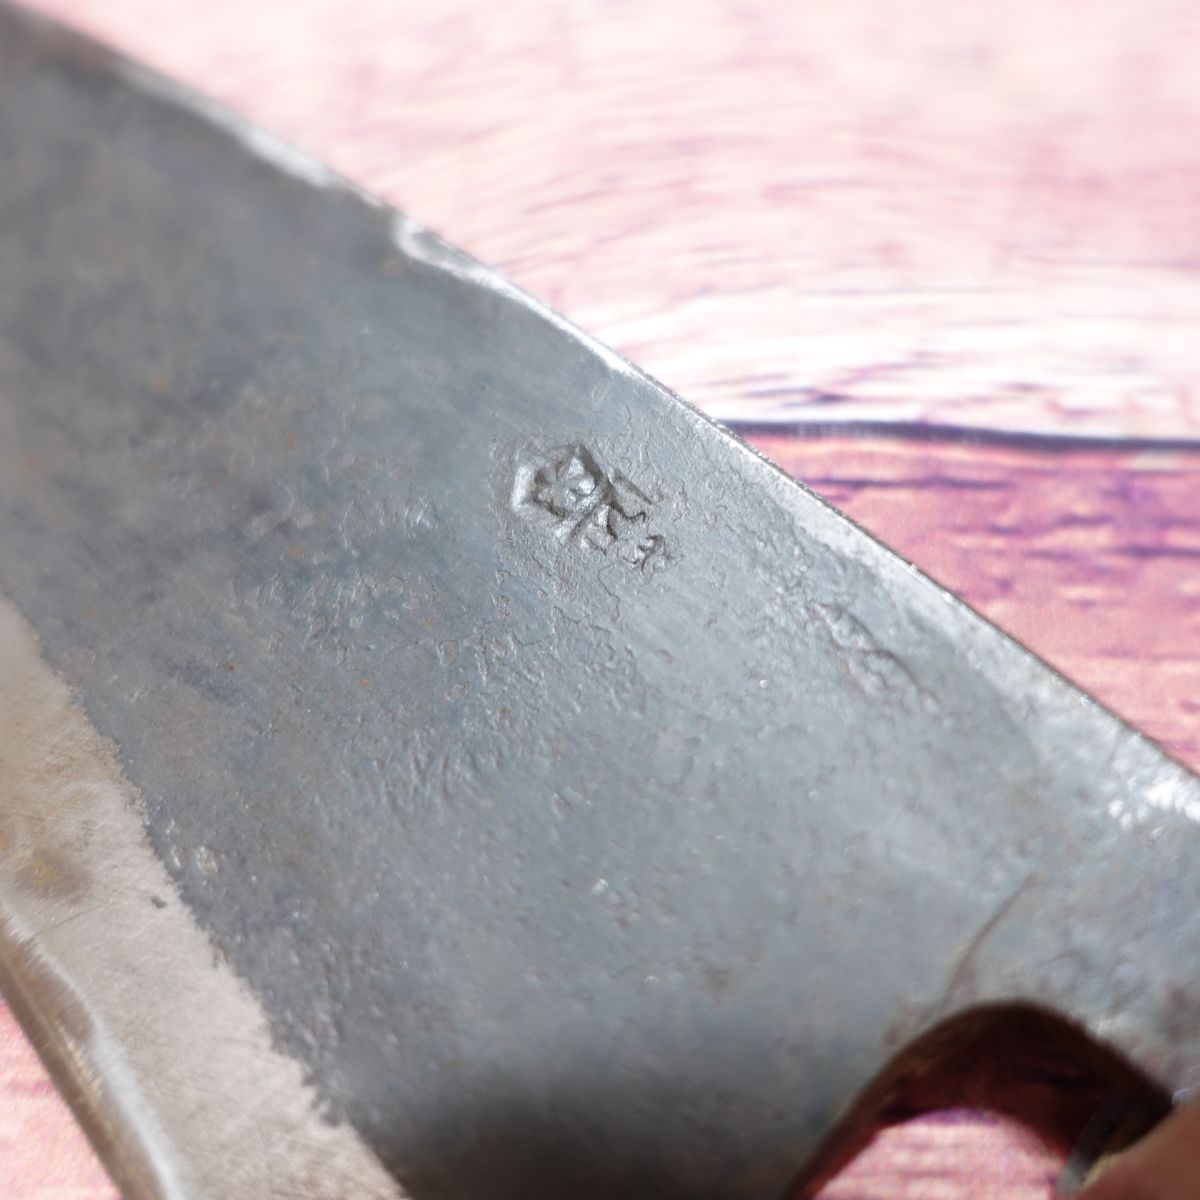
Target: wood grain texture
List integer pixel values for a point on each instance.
(976, 213)
(43, 1153)
(887, 219)
(1088, 555)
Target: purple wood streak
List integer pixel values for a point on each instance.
(1090, 557)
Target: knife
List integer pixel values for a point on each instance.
(434, 757)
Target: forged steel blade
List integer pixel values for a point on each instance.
(423, 737)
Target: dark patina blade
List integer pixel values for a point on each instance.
(470, 752)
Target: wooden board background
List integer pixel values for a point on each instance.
(939, 259)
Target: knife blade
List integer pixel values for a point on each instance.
(426, 738)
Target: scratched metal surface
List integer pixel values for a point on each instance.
(345, 88)
(511, 730)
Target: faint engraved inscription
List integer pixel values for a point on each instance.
(585, 505)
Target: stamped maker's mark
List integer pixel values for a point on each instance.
(588, 506)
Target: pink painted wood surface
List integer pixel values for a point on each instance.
(43, 1153)
(871, 217)
(1091, 556)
